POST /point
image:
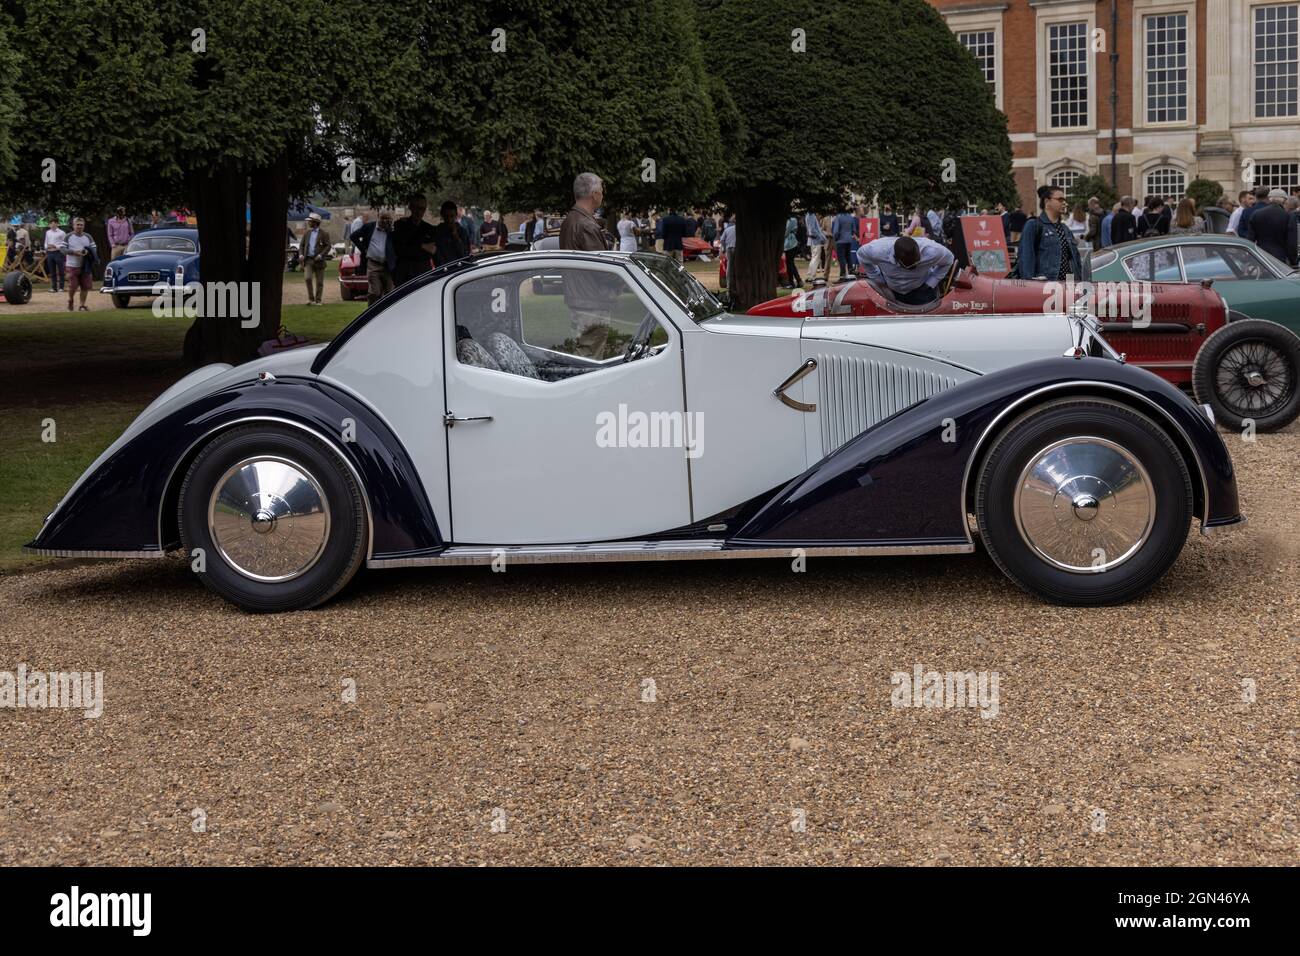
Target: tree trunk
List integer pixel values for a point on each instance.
(761, 214)
(269, 201)
(219, 198)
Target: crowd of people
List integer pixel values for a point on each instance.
(911, 252)
(71, 255)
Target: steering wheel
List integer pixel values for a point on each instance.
(639, 346)
(946, 285)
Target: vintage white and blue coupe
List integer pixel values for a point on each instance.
(621, 414)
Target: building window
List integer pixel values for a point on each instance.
(1277, 60)
(1065, 179)
(980, 43)
(1166, 68)
(1067, 71)
(1167, 182)
(1277, 175)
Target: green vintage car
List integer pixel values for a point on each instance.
(1255, 379)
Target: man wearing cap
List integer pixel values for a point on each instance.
(313, 248)
(1274, 229)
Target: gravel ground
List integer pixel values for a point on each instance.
(1122, 735)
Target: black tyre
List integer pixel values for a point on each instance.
(1084, 501)
(121, 301)
(18, 288)
(279, 517)
(345, 292)
(1248, 371)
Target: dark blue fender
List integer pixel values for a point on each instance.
(129, 503)
(900, 483)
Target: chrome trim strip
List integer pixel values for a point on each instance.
(970, 462)
(356, 476)
(133, 289)
(63, 553)
(1211, 531)
(649, 551)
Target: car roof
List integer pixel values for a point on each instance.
(1149, 242)
(479, 260)
(187, 232)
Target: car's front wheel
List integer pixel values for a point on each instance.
(346, 293)
(1247, 371)
(278, 517)
(1084, 501)
(121, 301)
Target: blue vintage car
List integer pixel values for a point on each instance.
(152, 258)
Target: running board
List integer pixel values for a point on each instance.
(651, 551)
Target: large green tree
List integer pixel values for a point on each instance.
(231, 107)
(10, 104)
(865, 97)
(605, 86)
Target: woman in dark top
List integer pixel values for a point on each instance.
(1047, 247)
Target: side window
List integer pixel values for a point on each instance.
(1247, 263)
(1139, 266)
(1205, 262)
(1166, 265)
(1158, 265)
(553, 324)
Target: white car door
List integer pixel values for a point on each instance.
(552, 437)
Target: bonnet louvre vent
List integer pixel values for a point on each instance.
(856, 393)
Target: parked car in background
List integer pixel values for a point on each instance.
(351, 285)
(164, 256)
(881, 436)
(1186, 338)
(1250, 369)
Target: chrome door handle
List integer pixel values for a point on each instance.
(795, 376)
(450, 420)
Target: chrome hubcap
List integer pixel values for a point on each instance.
(1085, 504)
(269, 519)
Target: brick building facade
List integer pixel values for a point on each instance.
(1204, 87)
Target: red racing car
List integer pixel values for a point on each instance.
(1181, 332)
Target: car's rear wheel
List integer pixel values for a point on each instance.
(279, 518)
(346, 293)
(18, 288)
(1084, 501)
(121, 301)
(1247, 371)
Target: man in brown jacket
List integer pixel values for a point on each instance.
(590, 295)
(313, 248)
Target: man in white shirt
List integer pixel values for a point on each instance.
(81, 255)
(1245, 199)
(910, 268)
(56, 245)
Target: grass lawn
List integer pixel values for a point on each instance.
(69, 367)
